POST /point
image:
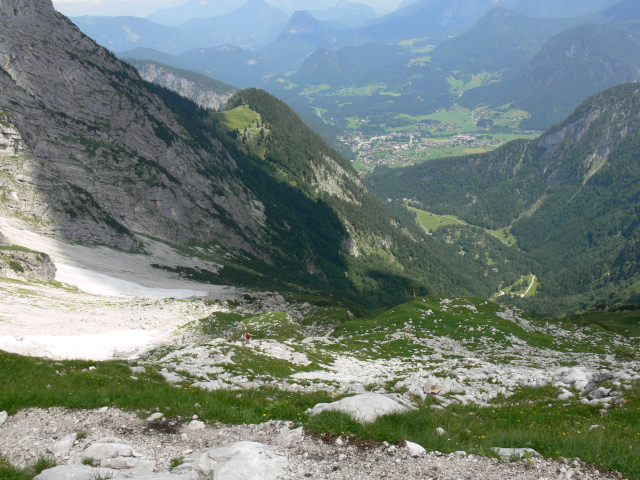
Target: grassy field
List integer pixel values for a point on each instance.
(526, 286)
(430, 221)
(460, 86)
(505, 235)
(251, 130)
(240, 117)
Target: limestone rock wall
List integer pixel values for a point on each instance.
(203, 96)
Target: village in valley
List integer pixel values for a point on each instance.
(446, 133)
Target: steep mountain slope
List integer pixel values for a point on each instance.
(384, 251)
(100, 153)
(440, 19)
(154, 55)
(434, 18)
(349, 65)
(94, 154)
(205, 91)
(622, 11)
(572, 65)
(571, 198)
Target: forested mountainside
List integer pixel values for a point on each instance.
(571, 198)
(100, 156)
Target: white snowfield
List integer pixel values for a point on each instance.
(91, 346)
(121, 305)
(101, 284)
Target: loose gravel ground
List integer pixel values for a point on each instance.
(29, 433)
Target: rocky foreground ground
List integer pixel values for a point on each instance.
(111, 443)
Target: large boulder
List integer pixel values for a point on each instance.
(364, 408)
(247, 461)
(101, 451)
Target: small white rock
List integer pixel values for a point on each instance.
(155, 416)
(415, 450)
(195, 425)
(440, 431)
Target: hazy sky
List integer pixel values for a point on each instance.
(141, 8)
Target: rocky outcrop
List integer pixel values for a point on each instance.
(364, 408)
(23, 264)
(203, 90)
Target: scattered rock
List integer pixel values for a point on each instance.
(313, 457)
(3, 417)
(199, 462)
(195, 425)
(415, 450)
(171, 377)
(99, 451)
(565, 394)
(599, 393)
(440, 431)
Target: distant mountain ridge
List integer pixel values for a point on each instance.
(351, 14)
(174, 16)
(253, 24)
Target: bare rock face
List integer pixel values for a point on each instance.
(90, 153)
(203, 95)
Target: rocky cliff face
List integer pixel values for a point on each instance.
(89, 153)
(202, 90)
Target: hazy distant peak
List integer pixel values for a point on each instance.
(174, 16)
